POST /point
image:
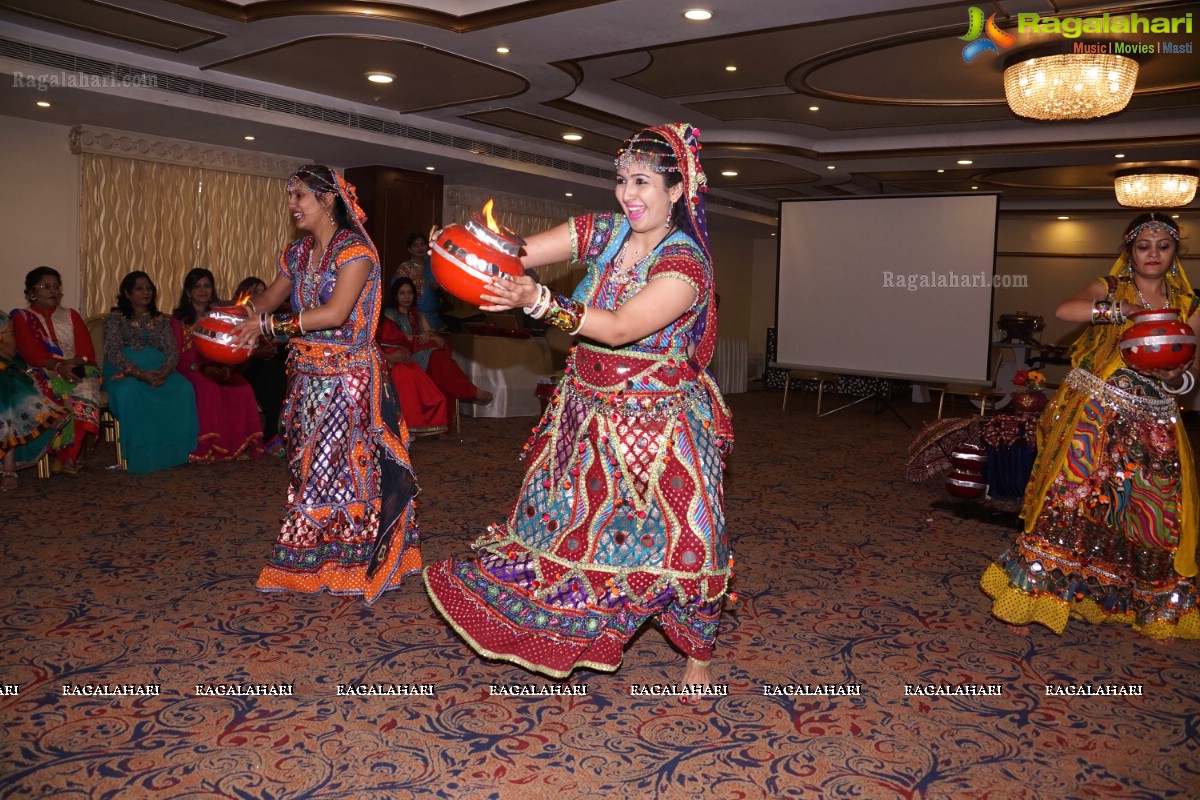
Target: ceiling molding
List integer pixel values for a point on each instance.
(107, 20)
(275, 9)
(125, 144)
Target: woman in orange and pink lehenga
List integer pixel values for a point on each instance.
(349, 527)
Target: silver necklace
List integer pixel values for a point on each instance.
(1146, 303)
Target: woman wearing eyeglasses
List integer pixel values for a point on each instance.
(55, 342)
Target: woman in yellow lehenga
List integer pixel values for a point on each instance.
(1111, 507)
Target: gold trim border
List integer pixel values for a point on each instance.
(126, 144)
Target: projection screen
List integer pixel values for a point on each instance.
(890, 286)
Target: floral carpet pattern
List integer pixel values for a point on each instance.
(847, 575)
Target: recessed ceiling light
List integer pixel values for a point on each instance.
(698, 14)
(430, 169)
(1119, 155)
(573, 137)
(965, 161)
(974, 187)
(502, 50)
(831, 166)
(1174, 216)
(381, 77)
(941, 170)
(731, 68)
(729, 173)
(1064, 217)
(43, 104)
(569, 194)
(248, 138)
(814, 108)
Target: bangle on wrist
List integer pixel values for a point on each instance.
(1107, 312)
(1189, 382)
(541, 305)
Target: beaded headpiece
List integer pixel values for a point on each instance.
(320, 179)
(1152, 225)
(683, 156)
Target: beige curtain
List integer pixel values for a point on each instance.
(166, 219)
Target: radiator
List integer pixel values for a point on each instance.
(729, 365)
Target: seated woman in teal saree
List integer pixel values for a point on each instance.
(153, 403)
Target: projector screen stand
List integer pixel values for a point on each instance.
(883, 402)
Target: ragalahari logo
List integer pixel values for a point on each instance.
(995, 38)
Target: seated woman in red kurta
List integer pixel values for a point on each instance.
(404, 326)
(230, 428)
(54, 341)
(425, 410)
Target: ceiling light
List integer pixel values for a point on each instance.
(831, 166)
(731, 68)
(974, 187)
(941, 170)
(43, 104)
(502, 50)
(382, 78)
(965, 161)
(430, 169)
(1174, 216)
(248, 138)
(729, 173)
(814, 108)
(1064, 217)
(1070, 85)
(698, 14)
(1119, 155)
(569, 194)
(1156, 187)
(573, 137)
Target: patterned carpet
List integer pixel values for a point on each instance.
(848, 575)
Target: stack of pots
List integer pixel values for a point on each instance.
(966, 480)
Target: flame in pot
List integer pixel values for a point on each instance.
(493, 226)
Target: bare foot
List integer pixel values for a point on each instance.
(695, 673)
(483, 397)
(8, 481)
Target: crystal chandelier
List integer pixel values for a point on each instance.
(1156, 187)
(1069, 86)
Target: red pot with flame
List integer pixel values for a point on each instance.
(466, 258)
(1157, 340)
(213, 338)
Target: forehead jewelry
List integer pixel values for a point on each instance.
(1152, 225)
(657, 161)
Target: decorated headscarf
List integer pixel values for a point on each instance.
(684, 158)
(321, 180)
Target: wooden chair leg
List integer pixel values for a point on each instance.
(117, 440)
(820, 394)
(787, 382)
(941, 401)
